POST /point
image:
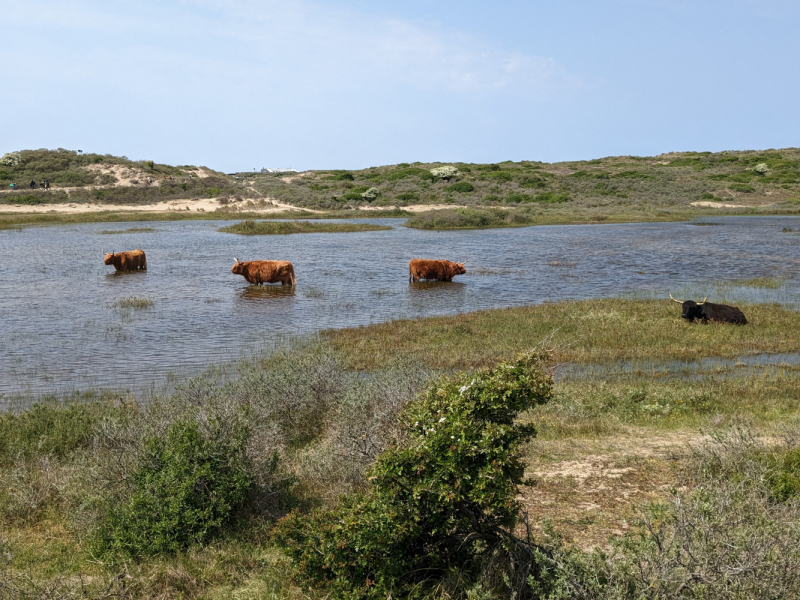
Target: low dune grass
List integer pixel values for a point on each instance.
(284, 227)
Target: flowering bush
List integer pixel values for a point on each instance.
(446, 173)
(11, 159)
(761, 168)
(445, 498)
(371, 194)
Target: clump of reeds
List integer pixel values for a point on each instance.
(129, 230)
(133, 302)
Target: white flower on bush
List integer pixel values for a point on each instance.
(761, 168)
(446, 173)
(11, 159)
(371, 194)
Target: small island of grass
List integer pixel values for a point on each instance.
(283, 227)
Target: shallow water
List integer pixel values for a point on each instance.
(60, 330)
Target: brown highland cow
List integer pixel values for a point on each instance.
(265, 271)
(127, 261)
(440, 270)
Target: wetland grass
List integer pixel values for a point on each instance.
(133, 302)
(768, 283)
(129, 230)
(286, 227)
(583, 332)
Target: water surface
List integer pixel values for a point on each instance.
(60, 330)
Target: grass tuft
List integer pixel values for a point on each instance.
(133, 302)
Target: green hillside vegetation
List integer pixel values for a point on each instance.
(667, 181)
(645, 188)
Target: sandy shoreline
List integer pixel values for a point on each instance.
(248, 205)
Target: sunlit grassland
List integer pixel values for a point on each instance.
(585, 332)
(287, 227)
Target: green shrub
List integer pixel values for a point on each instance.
(552, 197)
(741, 187)
(533, 182)
(500, 176)
(785, 482)
(446, 497)
(402, 173)
(51, 429)
(518, 197)
(462, 187)
(408, 196)
(186, 490)
(344, 176)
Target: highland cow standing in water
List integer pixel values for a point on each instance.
(708, 311)
(439, 270)
(127, 261)
(265, 271)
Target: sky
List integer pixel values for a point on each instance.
(238, 85)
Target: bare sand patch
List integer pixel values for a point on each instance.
(249, 205)
(591, 489)
(708, 204)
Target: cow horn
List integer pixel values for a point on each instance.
(236, 259)
(673, 299)
(703, 302)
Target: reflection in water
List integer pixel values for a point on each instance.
(111, 276)
(439, 286)
(266, 293)
(57, 317)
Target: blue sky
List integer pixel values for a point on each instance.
(242, 84)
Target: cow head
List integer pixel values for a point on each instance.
(109, 259)
(691, 310)
(237, 267)
(459, 269)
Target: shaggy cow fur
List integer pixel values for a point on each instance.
(265, 271)
(127, 261)
(440, 270)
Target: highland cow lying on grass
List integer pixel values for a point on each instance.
(440, 270)
(127, 261)
(708, 311)
(265, 271)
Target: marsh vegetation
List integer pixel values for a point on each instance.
(287, 227)
(98, 493)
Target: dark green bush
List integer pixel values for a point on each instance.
(461, 187)
(533, 182)
(186, 490)
(518, 197)
(552, 197)
(345, 176)
(408, 196)
(444, 499)
(51, 429)
(785, 482)
(500, 176)
(744, 188)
